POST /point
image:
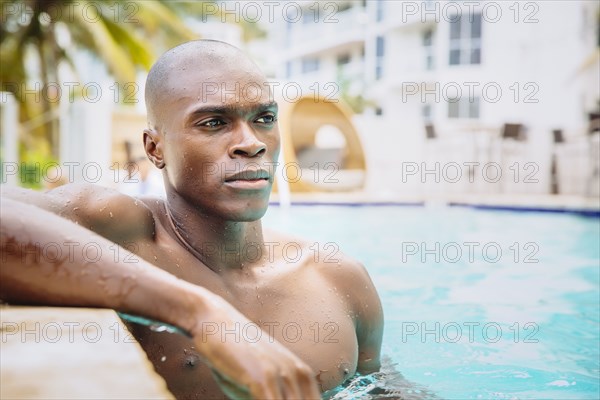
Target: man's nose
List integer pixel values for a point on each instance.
(246, 143)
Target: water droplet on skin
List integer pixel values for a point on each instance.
(190, 361)
(158, 328)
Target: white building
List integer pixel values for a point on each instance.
(466, 68)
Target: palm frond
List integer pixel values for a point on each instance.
(155, 13)
(115, 57)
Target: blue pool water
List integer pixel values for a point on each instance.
(508, 310)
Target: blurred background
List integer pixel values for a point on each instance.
(491, 104)
(382, 101)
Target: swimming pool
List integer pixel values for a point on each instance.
(478, 304)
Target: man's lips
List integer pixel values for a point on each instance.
(249, 175)
(249, 179)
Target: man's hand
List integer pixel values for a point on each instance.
(261, 370)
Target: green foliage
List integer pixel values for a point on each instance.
(34, 166)
(38, 36)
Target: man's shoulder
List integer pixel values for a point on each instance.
(106, 211)
(346, 272)
(326, 258)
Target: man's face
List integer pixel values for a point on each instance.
(221, 141)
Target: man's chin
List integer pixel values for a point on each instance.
(248, 214)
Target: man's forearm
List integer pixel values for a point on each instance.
(46, 259)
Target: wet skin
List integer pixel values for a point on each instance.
(326, 311)
(310, 301)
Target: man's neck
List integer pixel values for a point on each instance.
(220, 244)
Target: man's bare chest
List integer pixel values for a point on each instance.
(296, 307)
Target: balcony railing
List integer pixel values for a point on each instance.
(342, 26)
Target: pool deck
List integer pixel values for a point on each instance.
(550, 203)
(72, 353)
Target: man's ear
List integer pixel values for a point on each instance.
(153, 146)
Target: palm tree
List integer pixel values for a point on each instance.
(35, 41)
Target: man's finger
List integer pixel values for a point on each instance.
(291, 388)
(269, 390)
(309, 387)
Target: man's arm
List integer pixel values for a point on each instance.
(43, 261)
(113, 215)
(369, 328)
(364, 302)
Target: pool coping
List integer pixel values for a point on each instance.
(70, 361)
(558, 204)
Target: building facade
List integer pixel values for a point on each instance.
(459, 72)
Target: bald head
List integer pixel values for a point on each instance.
(201, 57)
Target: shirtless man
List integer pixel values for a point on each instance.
(216, 149)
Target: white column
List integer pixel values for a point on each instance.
(10, 138)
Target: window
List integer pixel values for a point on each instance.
(463, 107)
(426, 112)
(343, 59)
(465, 39)
(310, 65)
(598, 32)
(308, 16)
(379, 11)
(380, 52)
(428, 47)
(344, 6)
(288, 33)
(427, 38)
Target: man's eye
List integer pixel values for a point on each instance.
(267, 119)
(212, 123)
